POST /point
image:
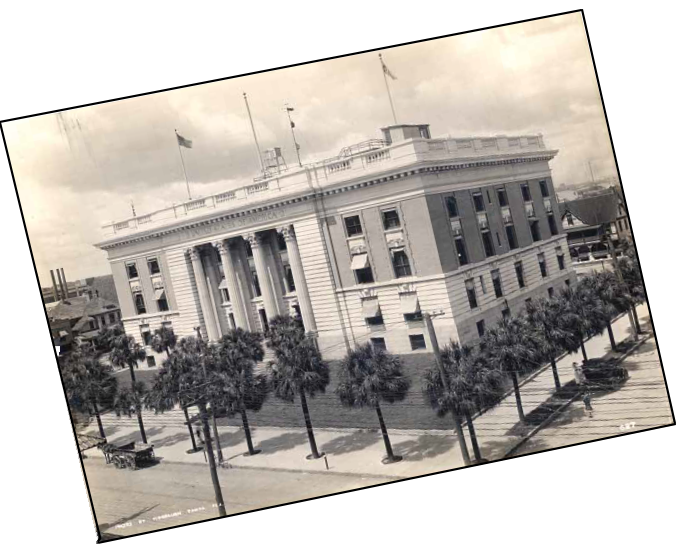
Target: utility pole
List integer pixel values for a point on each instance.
(210, 457)
(214, 418)
(444, 380)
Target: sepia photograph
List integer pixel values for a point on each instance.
(344, 273)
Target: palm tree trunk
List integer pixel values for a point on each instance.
(556, 376)
(583, 350)
(97, 417)
(308, 425)
(460, 439)
(390, 457)
(140, 424)
(133, 376)
(518, 397)
(220, 456)
(611, 334)
(472, 435)
(190, 427)
(210, 457)
(246, 429)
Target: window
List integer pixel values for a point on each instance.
(162, 304)
(147, 337)
(281, 242)
(567, 282)
(132, 271)
(140, 303)
(153, 266)
(93, 325)
(570, 219)
(290, 282)
(263, 320)
(364, 275)
(150, 361)
(497, 237)
(552, 224)
(506, 312)
(462, 257)
(401, 264)
(488, 243)
(378, 343)
(497, 286)
(256, 284)
(413, 317)
(502, 197)
(542, 265)
(551, 292)
(544, 188)
(488, 196)
(481, 328)
(471, 293)
(391, 219)
(560, 258)
(511, 236)
(248, 249)
(113, 318)
(478, 201)
(526, 193)
(451, 205)
(375, 320)
(232, 321)
(519, 270)
(535, 231)
(225, 295)
(353, 226)
(417, 342)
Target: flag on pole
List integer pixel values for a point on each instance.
(387, 71)
(184, 142)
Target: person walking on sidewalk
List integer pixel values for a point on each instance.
(581, 380)
(587, 402)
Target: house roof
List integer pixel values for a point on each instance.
(593, 210)
(77, 307)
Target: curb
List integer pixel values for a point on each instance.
(559, 411)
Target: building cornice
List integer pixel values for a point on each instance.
(437, 167)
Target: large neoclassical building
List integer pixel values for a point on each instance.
(358, 246)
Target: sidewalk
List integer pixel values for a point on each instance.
(352, 451)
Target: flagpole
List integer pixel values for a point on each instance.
(254, 134)
(295, 143)
(388, 90)
(183, 165)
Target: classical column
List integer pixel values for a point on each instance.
(264, 276)
(240, 310)
(204, 294)
(299, 278)
(210, 264)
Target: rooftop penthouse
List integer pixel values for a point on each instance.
(401, 146)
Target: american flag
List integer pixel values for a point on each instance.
(387, 71)
(184, 142)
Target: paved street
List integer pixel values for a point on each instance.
(167, 494)
(641, 403)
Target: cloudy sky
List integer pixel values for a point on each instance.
(84, 170)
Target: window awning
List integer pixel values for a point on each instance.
(409, 303)
(359, 261)
(370, 308)
(136, 287)
(159, 293)
(223, 284)
(63, 333)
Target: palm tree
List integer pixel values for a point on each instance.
(473, 383)
(551, 336)
(104, 340)
(608, 289)
(130, 401)
(367, 376)
(510, 346)
(163, 339)
(631, 274)
(298, 371)
(127, 352)
(237, 388)
(89, 384)
(583, 313)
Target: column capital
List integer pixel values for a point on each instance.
(287, 232)
(222, 246)
(252, 238)
(193, 253)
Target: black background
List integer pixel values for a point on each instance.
(617, 490)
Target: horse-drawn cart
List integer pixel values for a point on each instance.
(131, 455)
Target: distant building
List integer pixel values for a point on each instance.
(585, 221)
(80, 318)
(98, 286)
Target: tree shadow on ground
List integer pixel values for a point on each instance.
(350, 443)
(424, 447)
(282, 442)
(229, 439)
(110, 430)
(179, 437)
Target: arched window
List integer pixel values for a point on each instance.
(401, 264)
(451, 204)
